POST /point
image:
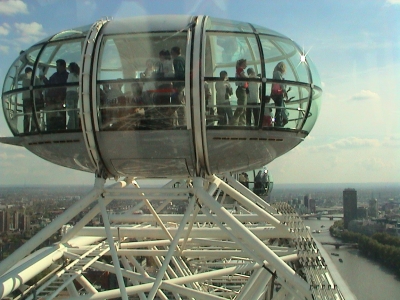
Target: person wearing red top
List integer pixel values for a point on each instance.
(239, 117)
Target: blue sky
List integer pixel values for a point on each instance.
(354, 44)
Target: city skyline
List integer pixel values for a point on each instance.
(355, 46)
(47, 204)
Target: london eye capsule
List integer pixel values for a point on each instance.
(161, 96)
(189, 98)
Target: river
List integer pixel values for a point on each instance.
(365, 278)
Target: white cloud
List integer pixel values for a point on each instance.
(129, 9)
(21, 33)
(29, 33)
(347, 143)
(90, 4)
(343, 160)
(12, 7)
(329, 96)
(4, 49)
(4, 29)
(354, 142)
(393, 2)
(392, 142)
(365, 95)
(11, 151)
(86, 10)
(3, 155)
(373, 164)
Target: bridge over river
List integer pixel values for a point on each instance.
(320, 216)
(338, 244)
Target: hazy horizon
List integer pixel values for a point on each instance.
(346, 185)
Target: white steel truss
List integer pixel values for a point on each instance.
(193, 238)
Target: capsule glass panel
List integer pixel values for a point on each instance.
(314, 109)
(316, 96)
(296, 69)
(11, 81)
(263, 30)
(290, 112)
(140, 85)
(15, 77)
(227, 25)
(57, 104)
(12, 105)
(223, 51)
(272, 54)
(280, 112)
(79, 32)
(316, 79)
(18, 106)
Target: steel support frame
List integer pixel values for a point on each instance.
(208, 252)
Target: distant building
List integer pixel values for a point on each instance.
(312, 206)
(349, 206)
(24, 222)
(390, 206)
(367, 227)
(373, 208)
(362, 212)
(306, 200)
(4, 220)
(14, 220)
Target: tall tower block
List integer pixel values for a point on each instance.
(349, 206)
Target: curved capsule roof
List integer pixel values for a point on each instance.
(170, 23)
(162, 96)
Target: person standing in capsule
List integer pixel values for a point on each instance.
(72, 97)
(223, 93)
(239, 117)
(55, 97)
(278, 94)
(253, 99)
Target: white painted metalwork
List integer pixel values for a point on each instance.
(85, 94)
(184, 240)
